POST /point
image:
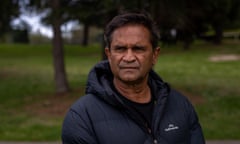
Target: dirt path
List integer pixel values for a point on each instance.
(224, 57)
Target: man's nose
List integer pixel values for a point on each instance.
(129, 56)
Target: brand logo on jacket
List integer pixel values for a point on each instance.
(171, 127)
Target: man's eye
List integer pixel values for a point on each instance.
(138, 48)
(119, 49)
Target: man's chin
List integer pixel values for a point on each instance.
(131, 80)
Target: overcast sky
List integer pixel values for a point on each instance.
(37, 27)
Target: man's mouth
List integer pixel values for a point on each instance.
(126, 67)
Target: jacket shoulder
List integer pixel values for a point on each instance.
(177, 97)
(83, 102)
(77, 126)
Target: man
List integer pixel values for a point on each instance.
(126, 102)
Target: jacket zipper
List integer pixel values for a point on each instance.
(151, 134)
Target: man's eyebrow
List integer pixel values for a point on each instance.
(119, 45)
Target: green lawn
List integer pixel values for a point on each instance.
(26, 76)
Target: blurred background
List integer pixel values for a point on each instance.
(47, 48)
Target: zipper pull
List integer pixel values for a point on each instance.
(149, 131)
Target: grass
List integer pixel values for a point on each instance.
(216, 82)
(26, 77)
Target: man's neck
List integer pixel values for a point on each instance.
(139, 93)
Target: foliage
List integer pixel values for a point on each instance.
(190, 19)
(194, 18)
(8, 10)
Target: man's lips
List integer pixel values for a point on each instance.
(126, 67)
(129, 66)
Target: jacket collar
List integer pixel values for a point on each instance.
(100, 84)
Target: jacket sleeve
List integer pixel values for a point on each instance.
(76, 129)
(195, 128)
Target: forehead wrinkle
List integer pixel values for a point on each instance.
(125, 38)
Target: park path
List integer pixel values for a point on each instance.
(208, 142)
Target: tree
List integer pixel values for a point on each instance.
(58, 56)
(20, 31)
(58, 12)
(92, 13)
(9, 9)
(55, 16)
(221, 14)
(192, 19)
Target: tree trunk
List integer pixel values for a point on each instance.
(218, 34)
(85, 34)
(61, 83)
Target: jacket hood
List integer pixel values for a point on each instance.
(100, 84)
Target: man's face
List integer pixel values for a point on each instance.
(131, 55)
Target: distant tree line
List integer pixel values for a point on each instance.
(183, 20)
(178, 20)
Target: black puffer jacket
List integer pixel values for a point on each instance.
(101, 117)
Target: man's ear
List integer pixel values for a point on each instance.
(107, 51)
(156, 53)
